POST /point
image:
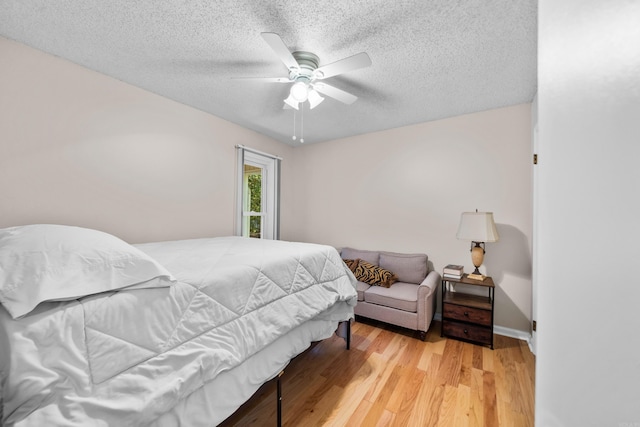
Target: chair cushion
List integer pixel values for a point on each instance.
(409, 268)
(361, 287)
(372, 257)
(401, 296)
(374, 275)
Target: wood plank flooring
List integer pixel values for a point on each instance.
(391, 378)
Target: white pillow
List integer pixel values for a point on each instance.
(56, 262)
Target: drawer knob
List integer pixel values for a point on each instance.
(466, 332)
(466, 313)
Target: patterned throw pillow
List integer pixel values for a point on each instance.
(374, 275)
(352, 264)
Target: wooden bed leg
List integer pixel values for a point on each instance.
(279, 397)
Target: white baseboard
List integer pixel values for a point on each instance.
(501, 330)
(513, 333)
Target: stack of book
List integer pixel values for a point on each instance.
(453, 271)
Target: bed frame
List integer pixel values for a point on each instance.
(347, 337)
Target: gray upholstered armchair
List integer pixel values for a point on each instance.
(410, 302)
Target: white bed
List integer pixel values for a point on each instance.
(182, 332)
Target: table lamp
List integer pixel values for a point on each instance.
(478, 227)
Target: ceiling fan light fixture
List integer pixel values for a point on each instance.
(299, 91)
(291, 102)
(314, 99)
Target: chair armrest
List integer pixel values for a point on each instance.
(427, 293)
(432, 281)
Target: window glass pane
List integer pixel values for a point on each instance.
(255, 226)
(255, 190)
(252, 201)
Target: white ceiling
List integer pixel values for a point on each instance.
(431, 59)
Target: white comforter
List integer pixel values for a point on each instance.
(125, 358)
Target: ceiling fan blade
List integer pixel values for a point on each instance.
(335, 93)
(265, 79)
(281, 50)
(360, 60)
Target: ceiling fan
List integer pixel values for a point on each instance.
(306, 74)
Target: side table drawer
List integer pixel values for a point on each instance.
(468, 332)
(466, 314)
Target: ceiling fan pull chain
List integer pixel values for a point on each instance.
(294, 125)
(302, 124)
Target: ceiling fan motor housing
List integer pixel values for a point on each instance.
(308, 63)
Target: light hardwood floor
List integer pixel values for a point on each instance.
(391, 378)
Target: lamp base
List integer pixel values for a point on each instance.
(477, 256)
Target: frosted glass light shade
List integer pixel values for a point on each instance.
(314, 99)
(477, 227)
(291, 102)
(299, 91)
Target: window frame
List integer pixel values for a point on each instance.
(270, 183)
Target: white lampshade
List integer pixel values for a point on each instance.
(291, 102)
(299, 91)
(314, 99)
(477, 227)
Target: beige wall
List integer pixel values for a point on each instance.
(80, 148)
(404, 189)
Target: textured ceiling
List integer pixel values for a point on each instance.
(430, 59)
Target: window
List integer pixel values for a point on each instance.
(258, 191)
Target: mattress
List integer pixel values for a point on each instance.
(218, 399)
(150, 356)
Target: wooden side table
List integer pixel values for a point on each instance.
(467, 316)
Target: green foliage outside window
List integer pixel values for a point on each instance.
(255, 204)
